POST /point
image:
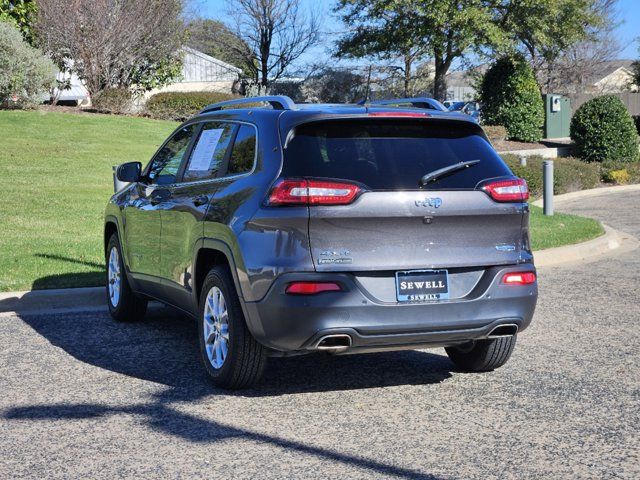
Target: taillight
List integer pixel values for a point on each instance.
(312, 288)
(519, 278)
(312, 192)
(513, 190)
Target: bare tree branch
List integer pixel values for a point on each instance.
(110, 43)
(277, 32)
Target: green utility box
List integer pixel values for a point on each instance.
(557, 116)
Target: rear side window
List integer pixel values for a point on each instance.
(209, 152)
(244, 151)
(391, 155)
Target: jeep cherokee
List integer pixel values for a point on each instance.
(337, 228)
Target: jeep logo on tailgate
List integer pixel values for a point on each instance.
(433, 202)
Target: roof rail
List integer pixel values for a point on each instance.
(417, 102)
(278, 102)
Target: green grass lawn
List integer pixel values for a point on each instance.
(56, 179)
(561, 229)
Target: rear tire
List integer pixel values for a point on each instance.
(482, 355)
(124, 304)
(232, 357)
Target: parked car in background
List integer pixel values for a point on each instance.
(470, 108)
(334, 228)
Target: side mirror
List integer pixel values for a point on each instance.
(129, 172)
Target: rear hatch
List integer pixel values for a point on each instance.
(393, 222)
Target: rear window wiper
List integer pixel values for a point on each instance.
(441, 172)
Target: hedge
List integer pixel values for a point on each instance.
(570, 174)
(603, 130)
(181, 105)
(113, 100)
(495, 133)
(620, 173)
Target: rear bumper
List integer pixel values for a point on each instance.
(292, 323)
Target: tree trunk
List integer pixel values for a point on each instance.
(439, 80)
(407, 74)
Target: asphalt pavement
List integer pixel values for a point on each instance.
(84, 397)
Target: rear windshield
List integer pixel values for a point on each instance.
(391, 155)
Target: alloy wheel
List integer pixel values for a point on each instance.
(216, 328)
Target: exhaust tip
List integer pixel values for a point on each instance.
(506, 330)
(334, 343)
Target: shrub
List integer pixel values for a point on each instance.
(570, 174)
(496, 133)
(620, 172)
(602, 129)
(181, 105)
(510, 96)
(636, 119)
(25, 74)
(113, 100)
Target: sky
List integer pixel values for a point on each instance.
(627, 32)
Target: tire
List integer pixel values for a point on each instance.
(482, 355)
(245, 358)
(124, 304)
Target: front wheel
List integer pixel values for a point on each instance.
(482, 355)
(124, 304)
(232, 357)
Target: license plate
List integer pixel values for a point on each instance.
(422, 285)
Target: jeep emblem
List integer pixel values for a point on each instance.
(433, 202)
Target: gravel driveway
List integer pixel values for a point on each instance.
(84, 397)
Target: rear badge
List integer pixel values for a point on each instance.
(506, 248)
(433, 202)
(335, 257)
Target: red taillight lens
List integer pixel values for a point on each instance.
(312, 288)
(515, 190)
(312, 192)
(519, 278)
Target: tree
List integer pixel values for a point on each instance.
(446, 29)
(635, 67)
(24, 72)
(332, 85)
(277, 32)
(216, 39)
(510, 97)
(383, 34)
(545, 30)
(113, 43)
(22, 13)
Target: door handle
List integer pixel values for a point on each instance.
(200, 200)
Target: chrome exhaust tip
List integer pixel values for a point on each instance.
(336, 343)
(504, 330)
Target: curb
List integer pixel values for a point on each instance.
(593, 192)
(588, 251)
(54, 301)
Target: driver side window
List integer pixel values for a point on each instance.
(165, 165)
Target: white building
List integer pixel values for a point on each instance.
(200, 72)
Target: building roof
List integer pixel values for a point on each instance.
(210, 59)
(606, 68)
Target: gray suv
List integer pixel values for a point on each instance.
(335, 228)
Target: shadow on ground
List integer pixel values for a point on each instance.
(164, 349)
(93, 278)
